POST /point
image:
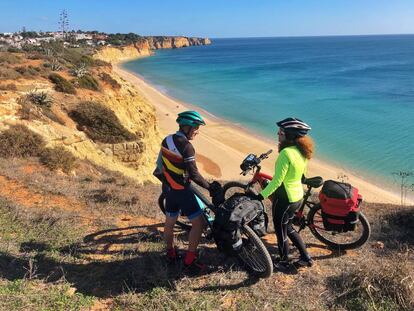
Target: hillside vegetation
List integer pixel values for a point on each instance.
(75, 101)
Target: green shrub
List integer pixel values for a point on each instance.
(13, 50)
(100, 123)
(111, 81)
(88, 82)
(61, 84)
(58, 158)
(19, 141)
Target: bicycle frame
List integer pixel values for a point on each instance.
(205, 206)
(263, 179)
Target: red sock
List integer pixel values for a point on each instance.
(171, 253)
(189, 258)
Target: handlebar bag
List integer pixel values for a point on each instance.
(340, 206)
(230, 217)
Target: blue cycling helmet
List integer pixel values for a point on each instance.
(191, 118)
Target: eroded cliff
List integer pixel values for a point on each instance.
(145, 46)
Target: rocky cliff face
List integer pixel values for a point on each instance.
(146, 45)
(134, 159)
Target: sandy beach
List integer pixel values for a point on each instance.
(221, 145)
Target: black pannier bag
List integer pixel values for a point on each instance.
(260, 222)
(340, 206)
(230, 217)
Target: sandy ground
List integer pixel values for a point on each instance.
(221, 146)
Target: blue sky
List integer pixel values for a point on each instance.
(214, 18)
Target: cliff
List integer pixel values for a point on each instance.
(134, 159)
(145, 47)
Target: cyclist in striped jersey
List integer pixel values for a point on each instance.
(176, 167)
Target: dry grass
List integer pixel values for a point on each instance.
(120, 257)
(8, 87)
(376, 284)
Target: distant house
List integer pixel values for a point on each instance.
(89, 42)
(101, 37)
(83, 36)
(101, 42)
(46, 39)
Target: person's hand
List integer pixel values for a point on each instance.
(216, 193)
(254, 196)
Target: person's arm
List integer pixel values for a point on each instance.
(281, 168)
(191, 167)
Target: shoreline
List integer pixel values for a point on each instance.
(222, 145)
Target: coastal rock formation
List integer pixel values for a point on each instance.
(134, 159)
(146, 45)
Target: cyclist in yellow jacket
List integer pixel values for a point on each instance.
(295, 149)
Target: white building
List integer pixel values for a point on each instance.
(83, 36)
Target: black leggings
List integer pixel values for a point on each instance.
(283, 213)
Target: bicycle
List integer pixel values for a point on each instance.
(253, 254)
(333, 239)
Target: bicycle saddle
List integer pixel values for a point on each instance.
(314, 182)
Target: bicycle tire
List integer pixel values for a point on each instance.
(258, 263)
(233, 184)
(161, 204)
(366, 231)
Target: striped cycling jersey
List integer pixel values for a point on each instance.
(176, 160)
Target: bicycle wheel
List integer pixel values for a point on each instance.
(233, 187)
(254, 255)
(182, 222)
(335, 239)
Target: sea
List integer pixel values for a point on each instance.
(356, 92)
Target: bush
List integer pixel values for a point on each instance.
(28, 71)
(88, 82)
(100, 123)
(111, 81)
(58, 158)
(19, 141)
(61, 84)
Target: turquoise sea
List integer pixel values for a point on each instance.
(357, 92)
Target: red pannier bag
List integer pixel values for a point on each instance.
(340, 206)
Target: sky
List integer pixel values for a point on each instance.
(215, 18)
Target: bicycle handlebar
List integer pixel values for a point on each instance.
(252, 161)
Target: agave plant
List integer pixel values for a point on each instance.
(40, 98)
(79, 71)
(55, 65)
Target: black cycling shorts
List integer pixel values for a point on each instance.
(184, 201)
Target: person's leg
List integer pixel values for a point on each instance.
(169, 231)
(194, 238)
(295, 237)
(171, 215)
(279, 209)
(191, 208)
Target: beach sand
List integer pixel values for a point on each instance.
(221, 146)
